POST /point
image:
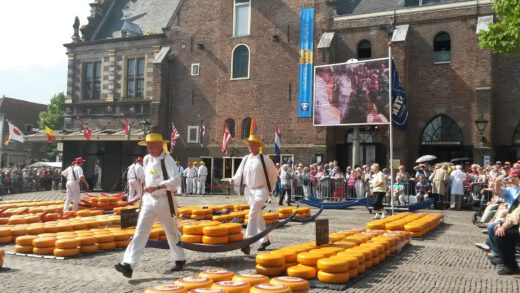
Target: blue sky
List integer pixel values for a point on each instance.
(33, 64)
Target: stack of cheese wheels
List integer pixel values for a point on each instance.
(297, 285)
(2, 255)
(424, 225)
(284, 213)
(380, 224)
(184, 213)
(192, 233)
(232, 286)
(5, 235)
(306, 261)
(214, 234)
(240, 207)
(88, 242)
(303, 212)
(270, 264)
(290, 257)
(24, 244)
(201, 214)
(399, 224)
(270, 218)
(167, 289)
(238, 216)
(270, 288)
(44, 244)
(194, 282)
(352, 262)
(66, 246)
(335, 237)
(105, 241)
(234, 231)
(217, 275)
(252, 279)
(359, 256)
(333, 270)
(107, 202)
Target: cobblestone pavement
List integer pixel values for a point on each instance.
(444, 261)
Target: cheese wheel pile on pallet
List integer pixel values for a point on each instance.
(417, 223)
(212, 232)
(270, 264)
(424, 225)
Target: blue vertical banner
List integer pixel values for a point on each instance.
(399, 107)
(306, 61)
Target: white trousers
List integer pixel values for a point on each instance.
(256, 198)
(154, 208)
(72, 195)
(190, 185)
(135, 189)
(202, 185)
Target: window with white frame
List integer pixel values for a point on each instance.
(240, 62)
(193, 134)
(241, 17)
(195, 67)
(135, 77)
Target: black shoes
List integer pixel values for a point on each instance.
(125, 269)
(178, 266)
(264, 246)
(246, 250)
(495, 260)
(503, 270)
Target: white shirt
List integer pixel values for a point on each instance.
(190, 172)
(203, 171)
(135, 171)
(154, 175)
(457, 182)
(253, 173)
(78, 171)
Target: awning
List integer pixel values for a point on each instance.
(96, 135)
(326, 40)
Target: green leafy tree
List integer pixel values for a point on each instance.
(504, 35)
(53, 118)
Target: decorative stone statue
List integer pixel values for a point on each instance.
(75, 37)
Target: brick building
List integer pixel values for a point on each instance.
(222, 62)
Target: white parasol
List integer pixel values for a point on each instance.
(426, 158)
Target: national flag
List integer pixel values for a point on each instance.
(277, 141)
(225, 139)
(129, 132)
(173, 138)
(51, 135)
(253, 130)
(127, 127)
(399, 108)
(87, 132)
(14, 134)
(202, 133)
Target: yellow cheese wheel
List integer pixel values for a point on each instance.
(217, 275)
(232, 286)
(18, 231)
(333, 265)
(345, 244)
(290, 264)
(333, 278)
(64, 227)
(352, 261)
(106, 245)
(270, 288)
(23, 249)
(120, 236)
(215, 240)
(25, 240)
(122, 243)
(290, 256)
(201, 212)
(270, 216)
(47, 235)
(215, 231)
(89, 248)
(207, 290)
(5, 231)
(191, 238)
(309, 258)
(104, 238)
(296, 284)
(17, 221)
(358, 255)
(51, 229)
(252, 279)
(325, 253)
(192, 229)
(270, 259)
(71, 236)
(6, 239)
(194, 282)
(43, 251)
(235, 237)
(353, 273)
(86, 240)
(66, 243)
(233, 228)
(43, 242)
(270, 271)
(167, 289)
(35, 230)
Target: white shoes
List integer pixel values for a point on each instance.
(383, 215)
(376, 216)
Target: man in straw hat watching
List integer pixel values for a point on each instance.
(161, 179)
(135, 175)
(258, 174)
(74, 175)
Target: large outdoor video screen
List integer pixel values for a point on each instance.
(352, 93)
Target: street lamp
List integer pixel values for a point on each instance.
(145, 126)
(481, 123)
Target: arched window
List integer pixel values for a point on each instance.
(231, 126)
(516, 136)
(442, 130)
(246, 126)
(240, 62)
(364, 50)
(442, 48)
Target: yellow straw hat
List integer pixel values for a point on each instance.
(202, 163)
(152, 137)
(254, 138)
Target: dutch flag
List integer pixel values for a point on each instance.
(277, 140)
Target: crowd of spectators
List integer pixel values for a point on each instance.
(17, 179)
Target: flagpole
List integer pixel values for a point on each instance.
(391, 133)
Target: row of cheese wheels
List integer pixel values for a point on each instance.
(2, 256)
(30, 218)
(117, 211)
(18, 205)
(349, 254)
(420, 227)
(212, 232)
(69, 244)
(223, 281)
(45, 206)
(418, 223)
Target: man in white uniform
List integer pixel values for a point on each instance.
(196, 178)
(180, 171)
(191, 174)
(158, 203)
(202, 174)
(256, 177)
(135, 175)
(74, 175)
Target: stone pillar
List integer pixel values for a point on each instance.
(111, 76)
(70, 78)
